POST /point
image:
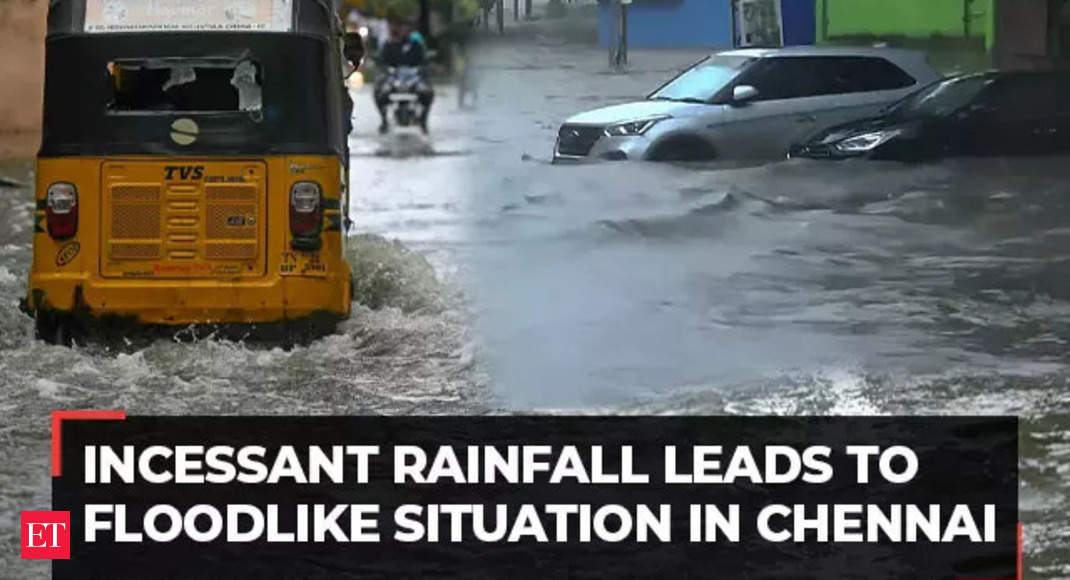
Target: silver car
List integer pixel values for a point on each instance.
(747, 104)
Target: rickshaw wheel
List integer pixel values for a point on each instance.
(296, 334)
(53, 329)
(304, 332)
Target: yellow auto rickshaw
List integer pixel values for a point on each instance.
(194, 165)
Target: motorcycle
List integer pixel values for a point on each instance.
(402, 87)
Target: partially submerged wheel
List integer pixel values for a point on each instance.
(303, 332)
(682, 149)
(53, 328)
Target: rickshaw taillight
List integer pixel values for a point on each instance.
(61, 210)
(306, 215)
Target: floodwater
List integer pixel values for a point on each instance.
(407, 350)
(820, 288)
(493, 281)
(795, 289)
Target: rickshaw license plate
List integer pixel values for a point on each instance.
(302, 264)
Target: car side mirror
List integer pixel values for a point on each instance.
(354, 48)
(744, 94)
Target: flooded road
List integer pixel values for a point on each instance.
(796, 289)
(852, 288)
(407, 349)
(491, 281)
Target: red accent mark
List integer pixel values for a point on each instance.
(1021, 557)
(58, 417)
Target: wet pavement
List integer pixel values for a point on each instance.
(514, 285)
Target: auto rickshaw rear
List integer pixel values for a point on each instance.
(193, 168)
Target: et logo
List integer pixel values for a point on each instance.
(45, 535)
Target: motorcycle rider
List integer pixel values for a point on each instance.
(404, 48)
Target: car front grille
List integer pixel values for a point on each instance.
(577, 140)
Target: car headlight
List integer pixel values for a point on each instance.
(866, 141)
(633, 128)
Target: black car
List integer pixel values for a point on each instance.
(985, 114)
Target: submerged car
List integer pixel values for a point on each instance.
(984, 114)
(747, 104)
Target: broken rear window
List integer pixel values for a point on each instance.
(185, 86)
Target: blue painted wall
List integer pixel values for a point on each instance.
(670, 23)
(799, 21)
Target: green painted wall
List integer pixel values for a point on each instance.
(909, 18)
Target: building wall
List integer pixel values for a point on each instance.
(907, 18)
(798, 18)
(1024, 34)
(22, 64)
(670, 23)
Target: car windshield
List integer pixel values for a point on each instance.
(704, 80)
(941, 99)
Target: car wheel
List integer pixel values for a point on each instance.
(682, 149)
